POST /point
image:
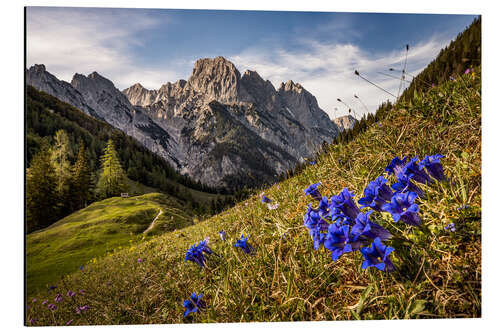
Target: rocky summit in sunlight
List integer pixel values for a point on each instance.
(345, 123)
(219, 127)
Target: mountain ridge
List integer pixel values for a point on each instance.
(176, 121)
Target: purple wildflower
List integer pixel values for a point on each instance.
(265, 199)
(433, 166)
(45, 302)
(52, 307)
(33, 320)
(34, 300)
(69, 322)
(450, 227)
(365, 228)
(244, 245)
(82, 291)
(339, 241)
(467, 71)
(80, 309)
(139, 260)
(404, 184)
(345, 204)
(193, 304)
(273, 207)
(312, 190)
(377, 193)
(378, 255)
(196, 253)
(59, 298)
(419, 175)
(70, 293)
(402, 207)
(396, 165)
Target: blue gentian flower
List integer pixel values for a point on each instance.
(433, 166)
(265, 199)
(312, 162)
(222, 235)
(316, 225)
(345, 204)
(365, 228)
(196, 253)
(377, 193)
(313, 220)
(339, 241)
(377, 255)
(312, 190)
(450, 227)
(419, 175)
(404, 184)
(402, 207)
(323, 207)
(193, 304)
(396, 165)
(244, 245)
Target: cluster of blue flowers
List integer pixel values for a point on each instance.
(340, 226)
(196, 253)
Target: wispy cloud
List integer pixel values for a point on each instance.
(327, 70)
(69, 40)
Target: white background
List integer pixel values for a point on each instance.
(12, 161)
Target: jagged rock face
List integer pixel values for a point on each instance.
(98, 97)
(218, 127)
(345, 122)
(38, 77)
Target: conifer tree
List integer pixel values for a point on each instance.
(81, 182)
(60, 153)
(112, 179)
(41, 195)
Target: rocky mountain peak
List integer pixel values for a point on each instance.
(291, 86)
(216, 78)
(345, 122)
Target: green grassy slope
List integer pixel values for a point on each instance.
(95, 231)
(438, 273)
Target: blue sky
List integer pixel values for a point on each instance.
(319, 50)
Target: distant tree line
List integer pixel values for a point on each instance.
(463, 53)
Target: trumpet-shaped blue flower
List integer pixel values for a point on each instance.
(312, 190)
(265, 199)
(377, 193)
(366, 229)
(404, 184)
(339, 241)
(396, 165)
(402, 207)
(345, 204)
(377, 255)
(433, 166)
(419, 174)
(323, 207)
(193, 304)
(196, 253)
(244, 245)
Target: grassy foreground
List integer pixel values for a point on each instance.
(438, 273)
(95, 231)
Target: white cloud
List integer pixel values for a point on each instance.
(327, 71)
(71, 40)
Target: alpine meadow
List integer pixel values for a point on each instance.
(219, 198)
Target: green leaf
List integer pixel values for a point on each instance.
(417, 307)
